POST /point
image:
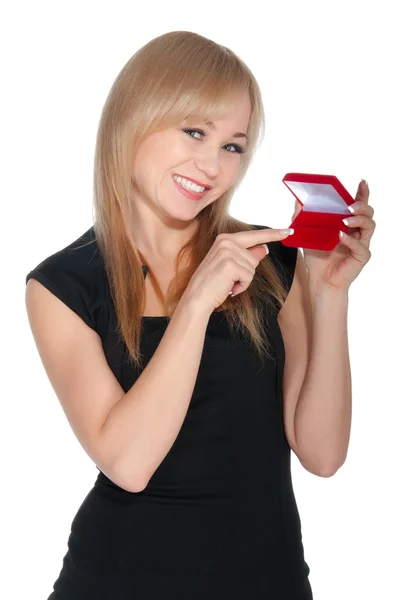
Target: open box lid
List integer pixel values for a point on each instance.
(324, 202)
(319, 193)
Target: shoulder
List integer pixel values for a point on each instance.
(79, 258)
(75, 274)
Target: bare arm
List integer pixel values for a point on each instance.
(127, 435)
(317, 379)
(323, 415)
(142, 426)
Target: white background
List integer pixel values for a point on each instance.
(327, 71)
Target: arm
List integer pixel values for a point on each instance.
(144, 424)
(321, 422)
(324, 408)
(316, 379)
(125, 434)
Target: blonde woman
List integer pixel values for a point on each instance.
(177, 340)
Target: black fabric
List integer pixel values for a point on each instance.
(73, 275)
(284, 258)
(218, 518)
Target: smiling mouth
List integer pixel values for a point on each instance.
(207, 187)
(190, 193)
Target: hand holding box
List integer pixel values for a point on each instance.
(324, 200)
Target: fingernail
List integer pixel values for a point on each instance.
(352, 210)
(266, 249)
(286, 231)
(366, 183)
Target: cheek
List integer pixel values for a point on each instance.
(169, 155)
(231, 171)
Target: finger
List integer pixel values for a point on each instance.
(360, 208)
(361, 228)
(259, 252)
(366, 224)
(363, 191)
(358, 250)
(297, 208)
(255, 237)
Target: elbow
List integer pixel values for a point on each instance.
(328, 470)
(324, 470)
(134, 486)
(128, 481)
(139, 487)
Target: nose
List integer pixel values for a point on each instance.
(209, 163)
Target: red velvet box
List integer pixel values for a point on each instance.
(324, 200)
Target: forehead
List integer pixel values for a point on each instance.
(238, 134)
(235, 116)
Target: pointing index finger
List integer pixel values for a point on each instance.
(256, 237)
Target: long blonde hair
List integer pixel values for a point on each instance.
(176, 76)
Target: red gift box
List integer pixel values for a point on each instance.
(324, 200)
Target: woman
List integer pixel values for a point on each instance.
(178, 341)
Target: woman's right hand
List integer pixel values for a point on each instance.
(229, 266)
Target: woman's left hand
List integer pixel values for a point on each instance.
(339, 267)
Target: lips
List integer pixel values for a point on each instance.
(208, 187)
(189, 193)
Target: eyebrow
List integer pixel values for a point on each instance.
(236, 135)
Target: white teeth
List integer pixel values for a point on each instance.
(189, 185)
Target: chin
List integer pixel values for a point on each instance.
(186, 217)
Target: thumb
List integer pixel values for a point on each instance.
(259, 252)
(297, 209)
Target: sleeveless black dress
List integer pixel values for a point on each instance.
(218, 519)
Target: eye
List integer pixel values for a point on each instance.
(189, 131)
(238, 148)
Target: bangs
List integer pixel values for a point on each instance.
(206, 93)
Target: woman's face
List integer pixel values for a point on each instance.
(213, 159)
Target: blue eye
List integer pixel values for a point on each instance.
(238, 148)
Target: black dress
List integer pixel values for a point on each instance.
(218, 519)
